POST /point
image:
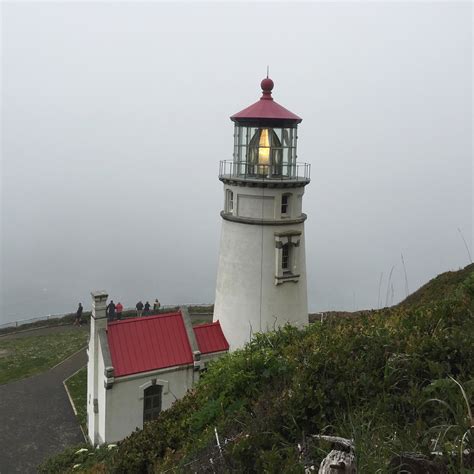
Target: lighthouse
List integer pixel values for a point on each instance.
(261, 275)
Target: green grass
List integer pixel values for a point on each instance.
(443, 286)
(201, 320)
(25, 356)
(194, 309)
(65, 320)
(77, 386)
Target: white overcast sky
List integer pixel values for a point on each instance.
(115, 116)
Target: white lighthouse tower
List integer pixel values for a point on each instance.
(261, 277)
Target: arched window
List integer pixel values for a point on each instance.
(152, 402)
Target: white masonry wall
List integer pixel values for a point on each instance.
(121, 406)
(249, 299)
(101, 398)
(94, 372)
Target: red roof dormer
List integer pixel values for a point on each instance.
(210, 338)
(150, 343)
(266, 110)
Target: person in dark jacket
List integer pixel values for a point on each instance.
(111, 310)
(146, 309)
(139, 307)
(78, 319)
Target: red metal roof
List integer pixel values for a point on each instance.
(266, 109)
(210, 338)
(148, 343)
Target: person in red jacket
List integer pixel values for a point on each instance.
(118, 310)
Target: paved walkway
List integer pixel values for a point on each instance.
(36, 418)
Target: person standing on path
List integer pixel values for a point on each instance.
(146, 311)
(139, 307)
(118, 310)
(78, 319)
(111, 311)
(156, 305)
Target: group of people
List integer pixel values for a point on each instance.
(114, 311)
(144, 309)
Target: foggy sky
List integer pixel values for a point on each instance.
(115, 116)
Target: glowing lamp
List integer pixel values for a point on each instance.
(263, 151)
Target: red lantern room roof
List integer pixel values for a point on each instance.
(266, 110)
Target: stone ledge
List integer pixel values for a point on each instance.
(265, 183)
(253, 221)
(294, 277)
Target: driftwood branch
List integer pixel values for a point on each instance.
(341, 459)
(338, 442)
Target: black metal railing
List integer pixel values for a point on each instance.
(244, 170)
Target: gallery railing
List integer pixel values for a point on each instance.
(244, 170)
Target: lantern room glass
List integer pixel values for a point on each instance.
(265, 152)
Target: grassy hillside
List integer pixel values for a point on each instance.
(30, 354)
(443, 286)
(398, 380)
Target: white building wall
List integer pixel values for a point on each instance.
(101, 398)
(255, 206)
(94, 375)
(248, 299)
(122, 411)
(91, 374)
(298, 208)
(258, 203)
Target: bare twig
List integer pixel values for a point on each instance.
(379, 302)
(465, 244)
(338, 441)
(388, 285)
(217, 440)
(406, 278)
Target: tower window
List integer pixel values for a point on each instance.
(229, 206)
(285, 258)
(285, 205)
(287, 248)
(152, 402)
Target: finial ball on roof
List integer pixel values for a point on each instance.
(267, 85)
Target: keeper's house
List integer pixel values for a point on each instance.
(140, 366)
